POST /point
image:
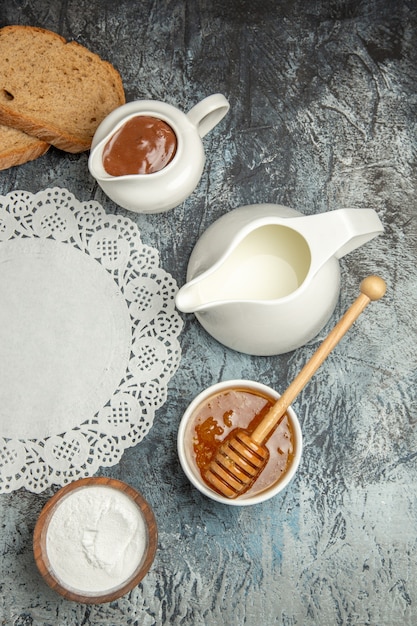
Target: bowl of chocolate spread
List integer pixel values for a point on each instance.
(148, 156)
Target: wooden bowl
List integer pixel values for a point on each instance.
(145, 558)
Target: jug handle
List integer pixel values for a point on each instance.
(362, 225)
(338, 232)
(208, 113)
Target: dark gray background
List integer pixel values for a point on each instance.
(323, 115)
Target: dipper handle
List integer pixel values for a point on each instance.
(372, 288)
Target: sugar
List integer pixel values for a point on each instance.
(96, 539)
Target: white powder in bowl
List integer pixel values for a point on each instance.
(96, 539)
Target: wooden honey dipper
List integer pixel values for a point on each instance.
(243, 455)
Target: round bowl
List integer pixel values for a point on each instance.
(92, 514)
(185, 442)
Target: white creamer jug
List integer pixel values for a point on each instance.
(264, 279)
(167, 188)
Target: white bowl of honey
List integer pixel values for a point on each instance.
(214, 414)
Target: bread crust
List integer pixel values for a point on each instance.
(16, 147)
(55, 90)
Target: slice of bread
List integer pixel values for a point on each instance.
(16, 147)
(54, 90)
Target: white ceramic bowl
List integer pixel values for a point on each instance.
(186, 456)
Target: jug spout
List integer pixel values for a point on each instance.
(187, 298)
(95, 164)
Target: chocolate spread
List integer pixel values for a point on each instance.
(143, 145)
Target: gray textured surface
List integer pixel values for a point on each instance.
(323, 115)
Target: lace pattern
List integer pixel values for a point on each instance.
(89, 338)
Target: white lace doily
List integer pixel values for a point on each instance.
(88, 338)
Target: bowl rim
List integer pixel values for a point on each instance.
(41, 528)
(197, 481)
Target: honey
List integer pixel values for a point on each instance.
(215, 418)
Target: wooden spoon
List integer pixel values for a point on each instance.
(242, 455)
